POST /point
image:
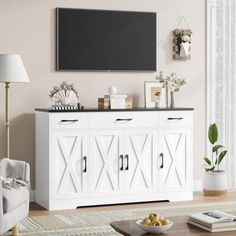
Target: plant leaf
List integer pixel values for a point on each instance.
(213, 133)
(216, 148)
(207, 160)
(221, 156)
(210, 169)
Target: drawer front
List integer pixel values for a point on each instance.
(176, 118)
(61, 121)
(123, 119)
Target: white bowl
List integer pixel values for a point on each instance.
(154, 229)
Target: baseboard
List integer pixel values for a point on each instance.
(197, 185)
(32, 196)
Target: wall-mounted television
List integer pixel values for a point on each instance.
(105, 40)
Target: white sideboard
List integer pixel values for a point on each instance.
(93, 157)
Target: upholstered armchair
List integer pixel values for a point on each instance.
(14, 202)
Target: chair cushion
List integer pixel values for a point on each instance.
(12, 198)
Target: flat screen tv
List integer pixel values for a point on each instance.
(105, 40)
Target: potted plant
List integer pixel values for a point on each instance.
(215, 179)
(171, 83)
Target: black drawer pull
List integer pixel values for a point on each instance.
(162, 160)
(175, 118)
(129, 119)
(122, 162)
(127, 159)
(71, 121)
(85, 164)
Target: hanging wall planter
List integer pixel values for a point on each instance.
(182, 42)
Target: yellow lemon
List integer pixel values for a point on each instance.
(165, 222)
(153, 216)
(156, 223)
(146, 221)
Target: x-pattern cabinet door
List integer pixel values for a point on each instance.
(139, 161)
(175, 160)
(106, 175)
(68, 164)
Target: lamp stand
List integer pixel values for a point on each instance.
(7, 122)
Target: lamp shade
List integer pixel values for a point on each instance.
(12, 69)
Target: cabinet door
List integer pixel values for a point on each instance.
(68, 160)
(139, 161)
(175, 160)
(106, 165)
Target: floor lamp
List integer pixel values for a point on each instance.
(12, 70)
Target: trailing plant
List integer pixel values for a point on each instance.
(218, 151)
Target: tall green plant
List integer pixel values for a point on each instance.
(218, 151)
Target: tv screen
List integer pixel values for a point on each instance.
(105, 40)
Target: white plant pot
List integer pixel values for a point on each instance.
(215, 183)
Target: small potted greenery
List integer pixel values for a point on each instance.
(215, 179)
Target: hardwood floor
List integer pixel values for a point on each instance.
(36, 210)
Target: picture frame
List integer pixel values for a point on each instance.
(154, 95)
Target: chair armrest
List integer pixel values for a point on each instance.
(1, 204)
(27, 172)
(15, 168)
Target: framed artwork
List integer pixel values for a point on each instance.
(154, 95)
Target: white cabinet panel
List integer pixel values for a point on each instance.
(123, 120)
(106, 162)
(176, 118)
(69, 121)
(175, 160)
(139, 166)
(68, 157)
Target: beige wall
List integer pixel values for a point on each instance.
(28, 27)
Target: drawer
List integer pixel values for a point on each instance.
(176, 118)
(66, 120)
(123, 119)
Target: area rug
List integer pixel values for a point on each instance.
(97, 223)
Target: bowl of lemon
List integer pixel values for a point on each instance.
(155, 224)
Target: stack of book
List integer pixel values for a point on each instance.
(214, 221)
(117, 101)
(64, 107)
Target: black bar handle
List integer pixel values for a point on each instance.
(122, 162)
(85, 164)
(128, 119)
(127, 159)
(64, 121)
(175, 118)
(162, 160)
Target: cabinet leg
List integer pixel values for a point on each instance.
(15, 231)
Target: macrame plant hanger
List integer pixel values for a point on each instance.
(182, 41)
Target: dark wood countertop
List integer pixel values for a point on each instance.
(116, 110)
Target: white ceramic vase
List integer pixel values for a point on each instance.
(215, 183)
(184, 49)
(112, 90)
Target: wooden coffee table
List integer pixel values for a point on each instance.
(180, 228)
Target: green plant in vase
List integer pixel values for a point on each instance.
(215, 180)
(218, 151)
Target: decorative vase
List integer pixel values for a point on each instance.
(215, 183)
(112, 90)
(172, 101)
(184, 49)
(167, 97)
